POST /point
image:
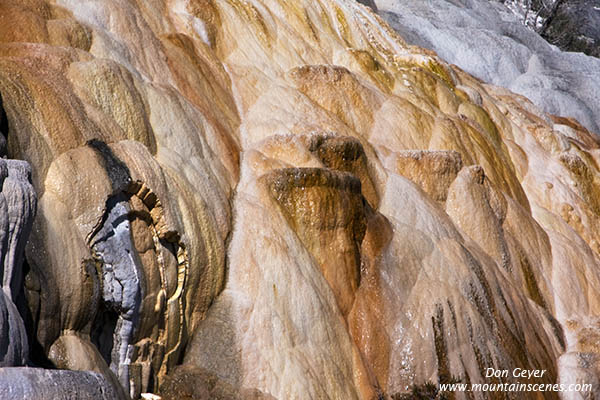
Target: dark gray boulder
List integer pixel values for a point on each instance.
(574, 25)
(369, 3)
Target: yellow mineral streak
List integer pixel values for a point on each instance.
(352, 215)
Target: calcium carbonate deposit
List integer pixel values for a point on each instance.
(486, 39)
(284, 199)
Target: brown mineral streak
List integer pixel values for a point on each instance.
(306, 207)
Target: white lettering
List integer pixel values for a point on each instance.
(528, 373)
(496, 373)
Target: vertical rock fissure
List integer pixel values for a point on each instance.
(138, 352)
(122, 294)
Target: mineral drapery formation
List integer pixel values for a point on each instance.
(265, 199)
(17, 205)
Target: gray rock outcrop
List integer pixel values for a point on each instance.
(572, 25)
(42, 384)
(17, 210)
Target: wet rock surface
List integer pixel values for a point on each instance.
(326, 209)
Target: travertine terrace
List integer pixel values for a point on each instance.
(279, 199)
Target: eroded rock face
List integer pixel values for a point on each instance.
(265, 199)
(135, 262)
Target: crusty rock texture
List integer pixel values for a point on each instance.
(17, 212)
(40, 384)
(280, 199)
